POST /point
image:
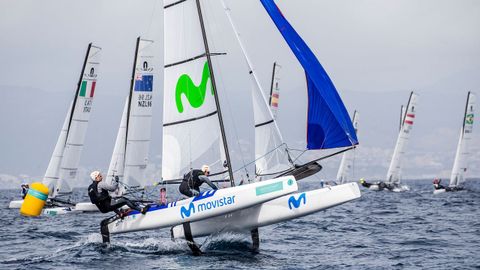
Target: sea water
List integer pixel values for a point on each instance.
(381, 230)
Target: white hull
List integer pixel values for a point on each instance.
(439, 191)
(401, 188)
(86, 207)
(374, 187)
(281, 209)
(208, 204)
(15, 204)
(58, 211)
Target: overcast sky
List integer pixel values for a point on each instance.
(375, 52)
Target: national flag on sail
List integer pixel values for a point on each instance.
(143, 83)
(274, 102)
(87, 88)
(409, 118)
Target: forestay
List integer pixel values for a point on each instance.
(395, 169)
(271, 155)
(461, 157)
(130, 156)
(346, 165)
(77, 125)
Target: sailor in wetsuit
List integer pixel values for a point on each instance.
(364, 183)
(192, 181)
(25, 188)
(98, 193)
(437, 185)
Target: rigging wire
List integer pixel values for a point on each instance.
(214, 28)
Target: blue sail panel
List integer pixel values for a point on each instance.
(328, 123)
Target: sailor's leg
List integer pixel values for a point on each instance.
(189, 237)
(255, 239)
(104, 230)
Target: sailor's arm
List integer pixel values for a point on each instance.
(110, 187)
(205, 179)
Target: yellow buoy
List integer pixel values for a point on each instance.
(35, 200)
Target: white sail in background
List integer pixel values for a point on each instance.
(140, 116)
(394, 171)
(346, 165)
(117, 162)
(271, 156)
(461, 157)
(78, 122)
(192, 134)
(52, 174)
(130, 155)
(275, 90)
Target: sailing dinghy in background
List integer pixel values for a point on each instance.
(62, 169)
(190, 110)
(344, 173)
(407, 117)
(460, 165)
(130, 155)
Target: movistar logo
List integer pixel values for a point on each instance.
(204, 206)
(295, 203)
(195, 94)
(469, 119)
(184, 212)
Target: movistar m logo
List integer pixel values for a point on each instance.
(204, 206)
(295, 203)
(195, 94)
(184, 212)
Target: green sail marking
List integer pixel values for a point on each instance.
(195, 94)
(469, 119)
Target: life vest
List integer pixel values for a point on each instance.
(192, 179)
(95, 196)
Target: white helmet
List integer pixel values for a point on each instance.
(205, 168)
(94, 175)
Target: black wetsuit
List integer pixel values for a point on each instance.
(192, 182)
(104, 202)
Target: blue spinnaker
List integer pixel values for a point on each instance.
(328, 123)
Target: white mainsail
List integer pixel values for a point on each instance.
(394, 171)
(52, 174)
(117, 162)
(192, 125)
(78, 123)
(461, 157)
(271, 156)
(130, 155)
(346, 165)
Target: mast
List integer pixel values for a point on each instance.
(402, 116)
(217, 101)
(271, 84)
(78, 89)
(132, 82)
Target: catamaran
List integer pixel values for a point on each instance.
(194, 134)
(346, 165)
(460, 164)
(407, 117)
(130, 155)
(62, 170)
